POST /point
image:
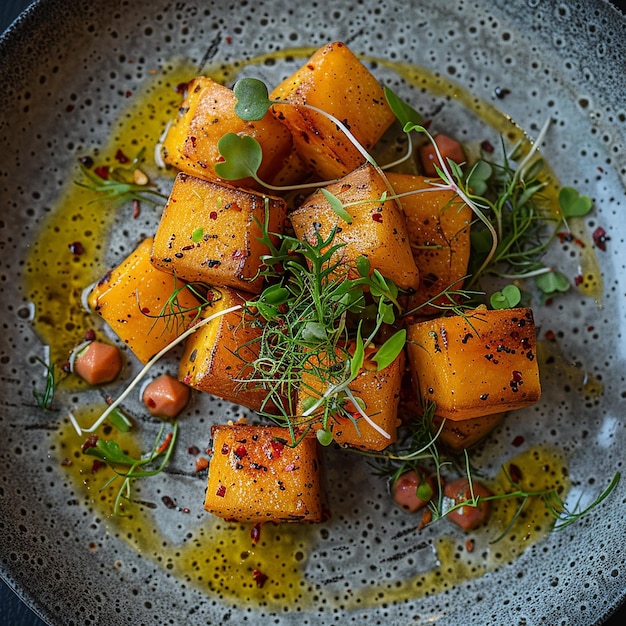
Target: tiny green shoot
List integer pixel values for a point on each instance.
(128, 468)
(119, 186)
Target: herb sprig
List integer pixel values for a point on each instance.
(319, 316)
(419, 452)
(128, 468)
(121, 184)
(44, 399)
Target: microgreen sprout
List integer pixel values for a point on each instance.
(120, 183)
(242, 154)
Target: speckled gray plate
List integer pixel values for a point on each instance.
(65, 71)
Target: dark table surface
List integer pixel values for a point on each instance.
(14, 612)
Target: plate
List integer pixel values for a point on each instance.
(77, 78)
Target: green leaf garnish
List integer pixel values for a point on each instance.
(337, 206)
(252, 99)
(403, 111)
(573, 204)
(128, 468)
(389, 351)
(242, 157)
(508, 298)
(478, 176)
(197, 234)
(119, 420)
(552, 282)
(325, 437)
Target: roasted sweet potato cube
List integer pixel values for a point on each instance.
(210, 232)
(133, 300)
(378, 229)
(254, 476)
(205, 116)
(379, 392)
(476, 364)
(335, 81)
(438, 224)
(217, 356)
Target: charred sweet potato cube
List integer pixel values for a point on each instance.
(217, 356)
(379, 393)
(335, 81)
(133, 300)
(378, 229)
(254, 476)
(210, 232)
(438, 224)
(205, 116)
(476, 364)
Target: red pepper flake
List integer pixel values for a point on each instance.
(202, 463)
(578, 280)
(228, 39)
(550, 335)
(187, 379)
(120, 157)
(225, 449)
(128, 93)
(255, 533)
(516, 377)
(76, 248)
(469, 545)
(221, 491)
(277, 448)
(377, 217)
(102, 171)
(90, 335)
(66, 462)
(564, 237)
(487, 146)
(240, 451)
(213, 215)
(193, 450)
(259, 577)
(69, 108)
(145, 310)
(515, 473)
(166, 443)
(136, 209)
(600, 238)
(90, 442)
(517, 441)
(97, 465)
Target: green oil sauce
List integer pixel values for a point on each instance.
(216, 556)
